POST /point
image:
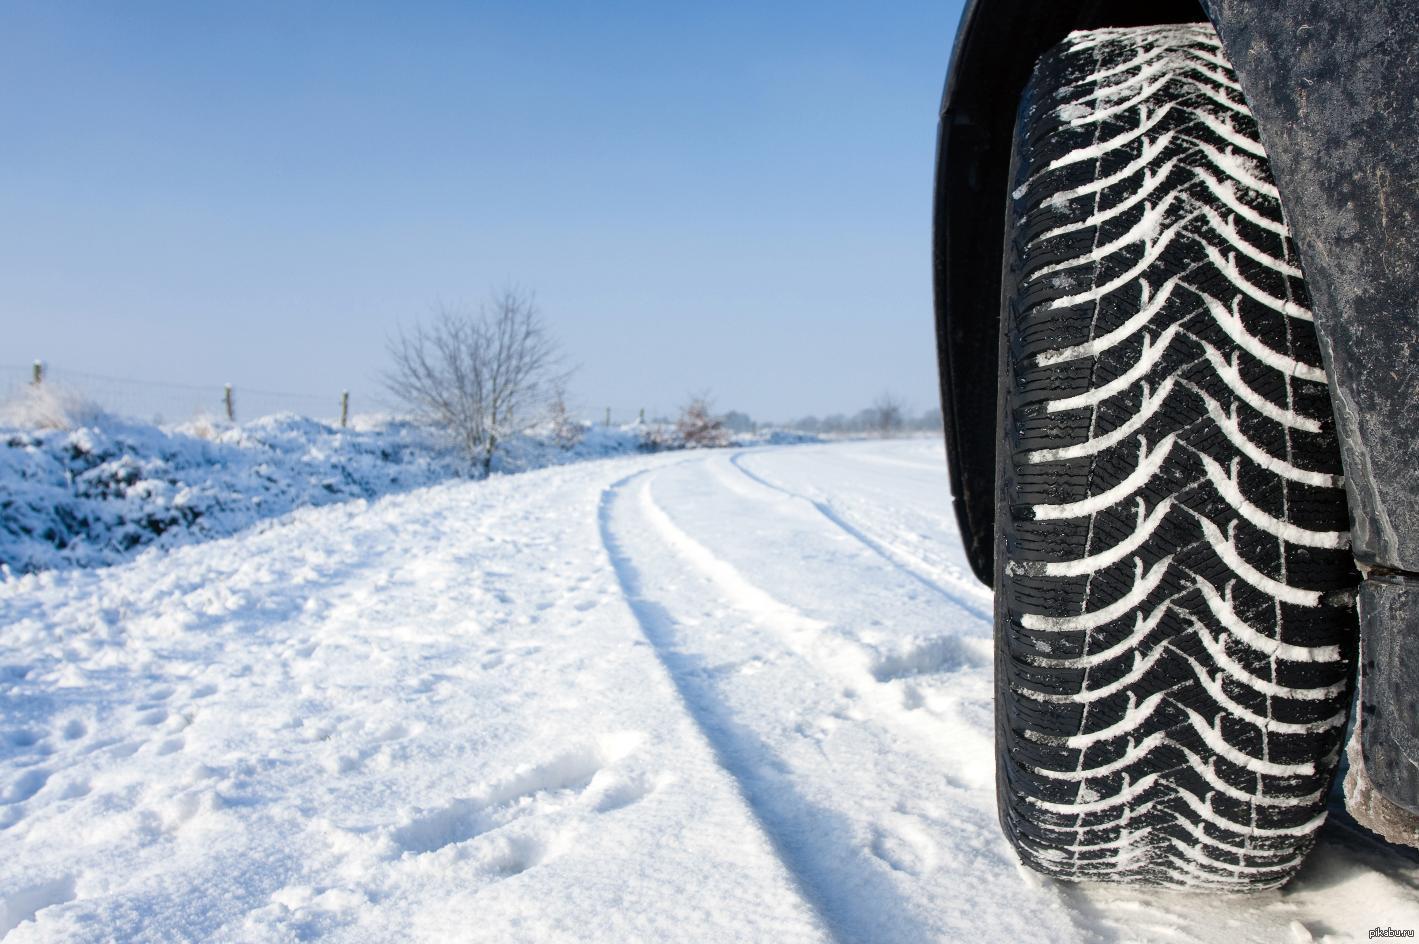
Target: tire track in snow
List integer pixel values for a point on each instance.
(890, 554)
(845, 660)
(896, 847)
(812, 855)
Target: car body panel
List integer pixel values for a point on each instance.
(1335, 91)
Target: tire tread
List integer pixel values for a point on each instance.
(1173, 665)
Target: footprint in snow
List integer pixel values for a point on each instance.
(170, 746)
(904, 846)
(457, 822)
(22, 904)
(25, 785)
(22, 738)
(931, 655)
(610, 791)
(75, 789)
(513, 855)
(530, 793)
(561, 779)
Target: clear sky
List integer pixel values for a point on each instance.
(732, 196)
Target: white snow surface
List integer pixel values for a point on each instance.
(729, 695)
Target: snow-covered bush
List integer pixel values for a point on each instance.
(50, 406)
(99, 493)
(79, 488)
(698, 427)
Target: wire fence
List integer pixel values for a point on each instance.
(162, 402)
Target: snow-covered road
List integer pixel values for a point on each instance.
(707, 696)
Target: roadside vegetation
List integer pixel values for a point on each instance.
(480, 391)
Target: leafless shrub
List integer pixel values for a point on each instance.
(478, 377)
(698, 426)
(567, 430)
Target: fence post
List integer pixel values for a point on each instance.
(642, 419)
(608, 416)
(38, 375)
(231, 407)
(344, 407)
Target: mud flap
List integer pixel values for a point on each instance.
(1382, 786)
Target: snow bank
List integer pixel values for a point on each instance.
(81, 488)
(101, 492)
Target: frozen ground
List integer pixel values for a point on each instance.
(711, 696)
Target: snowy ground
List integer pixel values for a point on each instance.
(726, 695)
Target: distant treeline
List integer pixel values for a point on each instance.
(885, 417)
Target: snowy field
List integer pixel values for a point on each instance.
(723, 695)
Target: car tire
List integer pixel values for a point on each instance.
(1174, 591)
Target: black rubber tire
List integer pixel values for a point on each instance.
(1174, 590)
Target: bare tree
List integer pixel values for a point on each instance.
(886, 415)
(697, 424)
(478, 377)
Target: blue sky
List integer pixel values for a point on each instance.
(726, 196)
